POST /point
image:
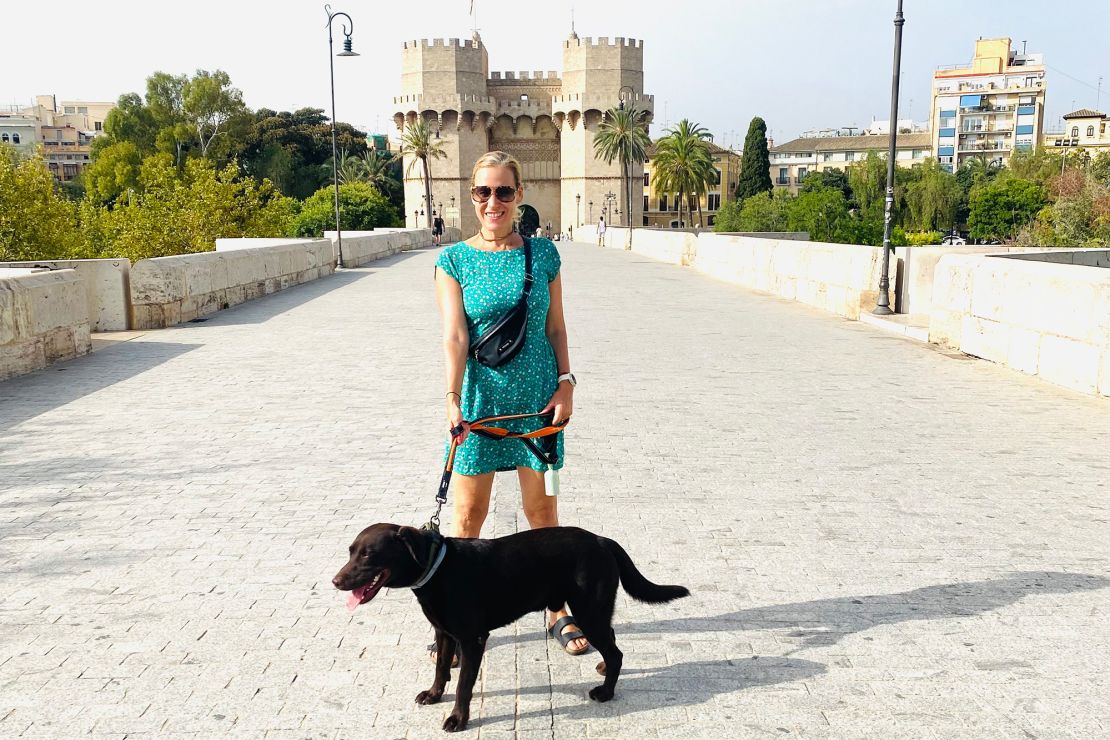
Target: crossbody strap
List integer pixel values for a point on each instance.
(527, 267)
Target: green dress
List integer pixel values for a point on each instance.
(492, 283)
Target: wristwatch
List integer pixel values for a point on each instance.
(567, 376)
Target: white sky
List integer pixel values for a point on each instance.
(801, 64)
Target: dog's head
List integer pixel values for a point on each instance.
(382, 555)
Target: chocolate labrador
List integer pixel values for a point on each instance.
(468, 587)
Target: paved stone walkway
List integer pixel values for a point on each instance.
(882, 540)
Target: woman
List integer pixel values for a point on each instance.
(478, 281)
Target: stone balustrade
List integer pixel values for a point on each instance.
(107, 288)
(361, 247)
(44, 317)
(1046, 316)
(169, 290)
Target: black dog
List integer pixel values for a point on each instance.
(468, 587)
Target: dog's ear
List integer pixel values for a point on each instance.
(413, 542)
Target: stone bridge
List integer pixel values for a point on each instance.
(882, 538)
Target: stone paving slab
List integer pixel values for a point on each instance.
(882, 540)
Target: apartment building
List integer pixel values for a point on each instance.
(840, 149)
(1084, 130)
(989, 107)
(65, 130)
(662, 211)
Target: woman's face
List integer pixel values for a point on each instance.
(494, 216)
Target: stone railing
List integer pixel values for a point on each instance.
(361, 247)
(1046, 314)
(44, 317)
(107, 288)
(169, 290)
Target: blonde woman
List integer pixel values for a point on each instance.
(478, 280)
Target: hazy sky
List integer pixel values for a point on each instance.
(801, 64)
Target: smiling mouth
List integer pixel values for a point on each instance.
(365, 593)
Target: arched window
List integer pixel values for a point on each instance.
(15, 138)
(3, 137)
(1074, 131)
(1090, 131)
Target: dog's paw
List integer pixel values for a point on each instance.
(455, 722)
(430, 696)
(601, 693)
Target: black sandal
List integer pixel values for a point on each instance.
(556, 631)
(433, 655)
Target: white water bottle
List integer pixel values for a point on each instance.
(551, 481)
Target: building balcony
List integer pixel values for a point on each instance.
(782, 180)
(983, 146)
(988, 109)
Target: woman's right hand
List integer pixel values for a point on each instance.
(455, 418)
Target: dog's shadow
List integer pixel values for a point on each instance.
(648, 689)
(826, 622)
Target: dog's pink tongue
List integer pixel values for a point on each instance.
(354, 598)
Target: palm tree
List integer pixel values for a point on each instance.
(419, 143)
(683, 164)
(375, 171)
(348, 168)
(623, 136)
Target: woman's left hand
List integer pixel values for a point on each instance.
(562, 401)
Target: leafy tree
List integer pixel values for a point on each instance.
(933, 198)
(113, 173)
(837, 179)
(1100, 168)
(130, 121)
(762, 212)
(683, 163)
(755, 164)
(361, 207)
(818, 211)
(35, 222)
(622, 136)
(418, 143)
(998, 209)
(868, 181)
(212, 107)
(184, 212)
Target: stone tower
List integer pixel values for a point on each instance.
(546, 122)
(593, 74)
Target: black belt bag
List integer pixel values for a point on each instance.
(504, 339)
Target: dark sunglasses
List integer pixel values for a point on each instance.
(481, 193)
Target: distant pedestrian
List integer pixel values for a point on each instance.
(437, 228)
(601, 232)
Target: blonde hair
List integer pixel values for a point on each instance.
(498, 159)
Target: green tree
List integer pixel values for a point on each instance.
(622, 136)
(818, 211)
(417, 142)
(213, 108)
(184, 212)
(932, 199)
(130, 121)
(114, 172)
(1100, 168)
(683, 163)
(835, 178)
(1000, 208)
(361, 207)
(36, 223)
(755, 165)
(762, 212)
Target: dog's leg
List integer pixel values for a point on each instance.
(445, 652)
(470, 661)
(598, 630)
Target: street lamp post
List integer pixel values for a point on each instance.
(577, 210)
(591, 211)
(627, 170)
(453, 211)
(882, 307)
(347, 52)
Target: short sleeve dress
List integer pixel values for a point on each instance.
(492, 283)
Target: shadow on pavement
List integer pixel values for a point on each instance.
(26, 396)
(680, 684)
(827, 621)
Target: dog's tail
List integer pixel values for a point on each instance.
(634, 582)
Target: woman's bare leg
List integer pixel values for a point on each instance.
(542, 511)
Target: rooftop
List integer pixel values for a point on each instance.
(853, 143)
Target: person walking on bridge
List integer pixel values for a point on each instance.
(478, 280)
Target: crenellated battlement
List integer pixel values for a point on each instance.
(442, 43)
(536, 76)
(604, 41)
